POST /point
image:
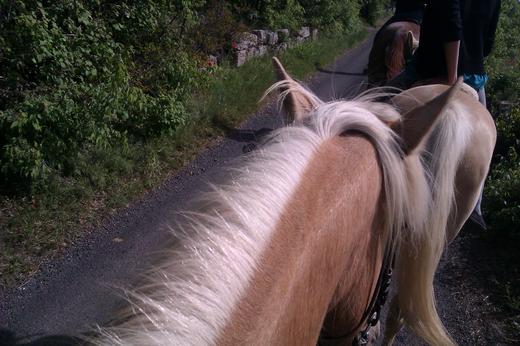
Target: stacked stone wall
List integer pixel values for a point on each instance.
(248, 45)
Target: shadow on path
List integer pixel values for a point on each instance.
(8, 338)
(248, 136)
(322, 70)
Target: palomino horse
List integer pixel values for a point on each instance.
(457, 156)
(393, 45)
(292, 244)
(459, 151)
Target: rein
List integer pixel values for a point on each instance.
(373, 311)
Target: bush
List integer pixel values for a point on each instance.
(503, 187)
(88, 75)
(371, 10)
(332, 15)
(335, 16)
(216, 29)
(502, 190)
(272, 14)
(282, 14)
(502, 65)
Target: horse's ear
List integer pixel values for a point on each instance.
(298, 102)
(418, 123)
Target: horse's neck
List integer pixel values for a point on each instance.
(322, 250)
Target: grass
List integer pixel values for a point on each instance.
(35, 228)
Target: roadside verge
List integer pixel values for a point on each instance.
(36, 228)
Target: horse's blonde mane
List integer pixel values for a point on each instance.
(191, 294)
(189, 297)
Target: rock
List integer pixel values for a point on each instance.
(283, 34)
(260, 42)
(314, 34)
(240, 57)
(246, 40)
(212, 60)
(272, 38)
(262, 50)
(252, 52)
(262, 36)
(282, 47)
(304, 32)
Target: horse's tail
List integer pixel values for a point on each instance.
(395, 55)
(400, 49)
(420, 253)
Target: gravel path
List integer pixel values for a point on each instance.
(73, 291)
(464, 298)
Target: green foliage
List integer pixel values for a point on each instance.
(503, 194)
(503, 187)
(508, 127)
(282, 14)
(336, 16)
(273, 14)
(372, 10)
(331, 15)
(216, 29)
(503, 66)
(78, 74)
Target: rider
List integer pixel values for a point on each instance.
(456, 36)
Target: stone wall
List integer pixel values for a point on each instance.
(260, 42)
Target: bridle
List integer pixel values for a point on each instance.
(372, 313)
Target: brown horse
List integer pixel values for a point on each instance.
(290, 246)
(392, 46)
